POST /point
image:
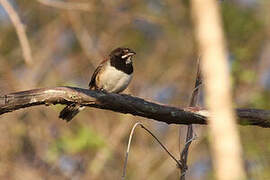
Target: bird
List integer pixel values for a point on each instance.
(113, 75)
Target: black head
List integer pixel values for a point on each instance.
(124, 54)
(121, 59)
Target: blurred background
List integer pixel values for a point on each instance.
(68, 40)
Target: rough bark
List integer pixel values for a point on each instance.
(122, 103)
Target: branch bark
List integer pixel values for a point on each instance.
(122, 103)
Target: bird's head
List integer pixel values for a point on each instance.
(124, 54)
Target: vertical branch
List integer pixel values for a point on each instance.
(189, 137)
(27, 54)
(225, 142)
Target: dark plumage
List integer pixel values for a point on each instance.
(70, 111)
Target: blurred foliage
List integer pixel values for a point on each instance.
(83, 139)
(244, 31)
(67, 45)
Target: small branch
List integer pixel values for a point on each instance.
(128, 148)
(163, 146)
(197, 87)
(189, 137)
(159, 142)
(27, 54)
(122, 103)
(66, 5)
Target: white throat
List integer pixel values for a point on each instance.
(129, 60)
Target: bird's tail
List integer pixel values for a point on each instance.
(70, 111)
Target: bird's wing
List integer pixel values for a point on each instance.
(92, 83)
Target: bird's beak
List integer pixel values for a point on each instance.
(130, 54)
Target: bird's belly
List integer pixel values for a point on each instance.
(114, 81)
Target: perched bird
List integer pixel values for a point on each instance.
(112, 75)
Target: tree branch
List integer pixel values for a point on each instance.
(189, 137)
(124, 104)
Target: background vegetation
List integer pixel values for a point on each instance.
(67, 45)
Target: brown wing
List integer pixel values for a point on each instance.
(92, 83)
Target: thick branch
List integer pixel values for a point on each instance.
(121, 103)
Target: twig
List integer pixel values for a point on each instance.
(128, 148)
(189, 137)
(164, 147)
(160, 143)
(193, 138)
(66, 5)
(20, 29)
(122, 103)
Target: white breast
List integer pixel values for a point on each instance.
(113, 80)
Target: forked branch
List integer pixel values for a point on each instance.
(193, 103)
